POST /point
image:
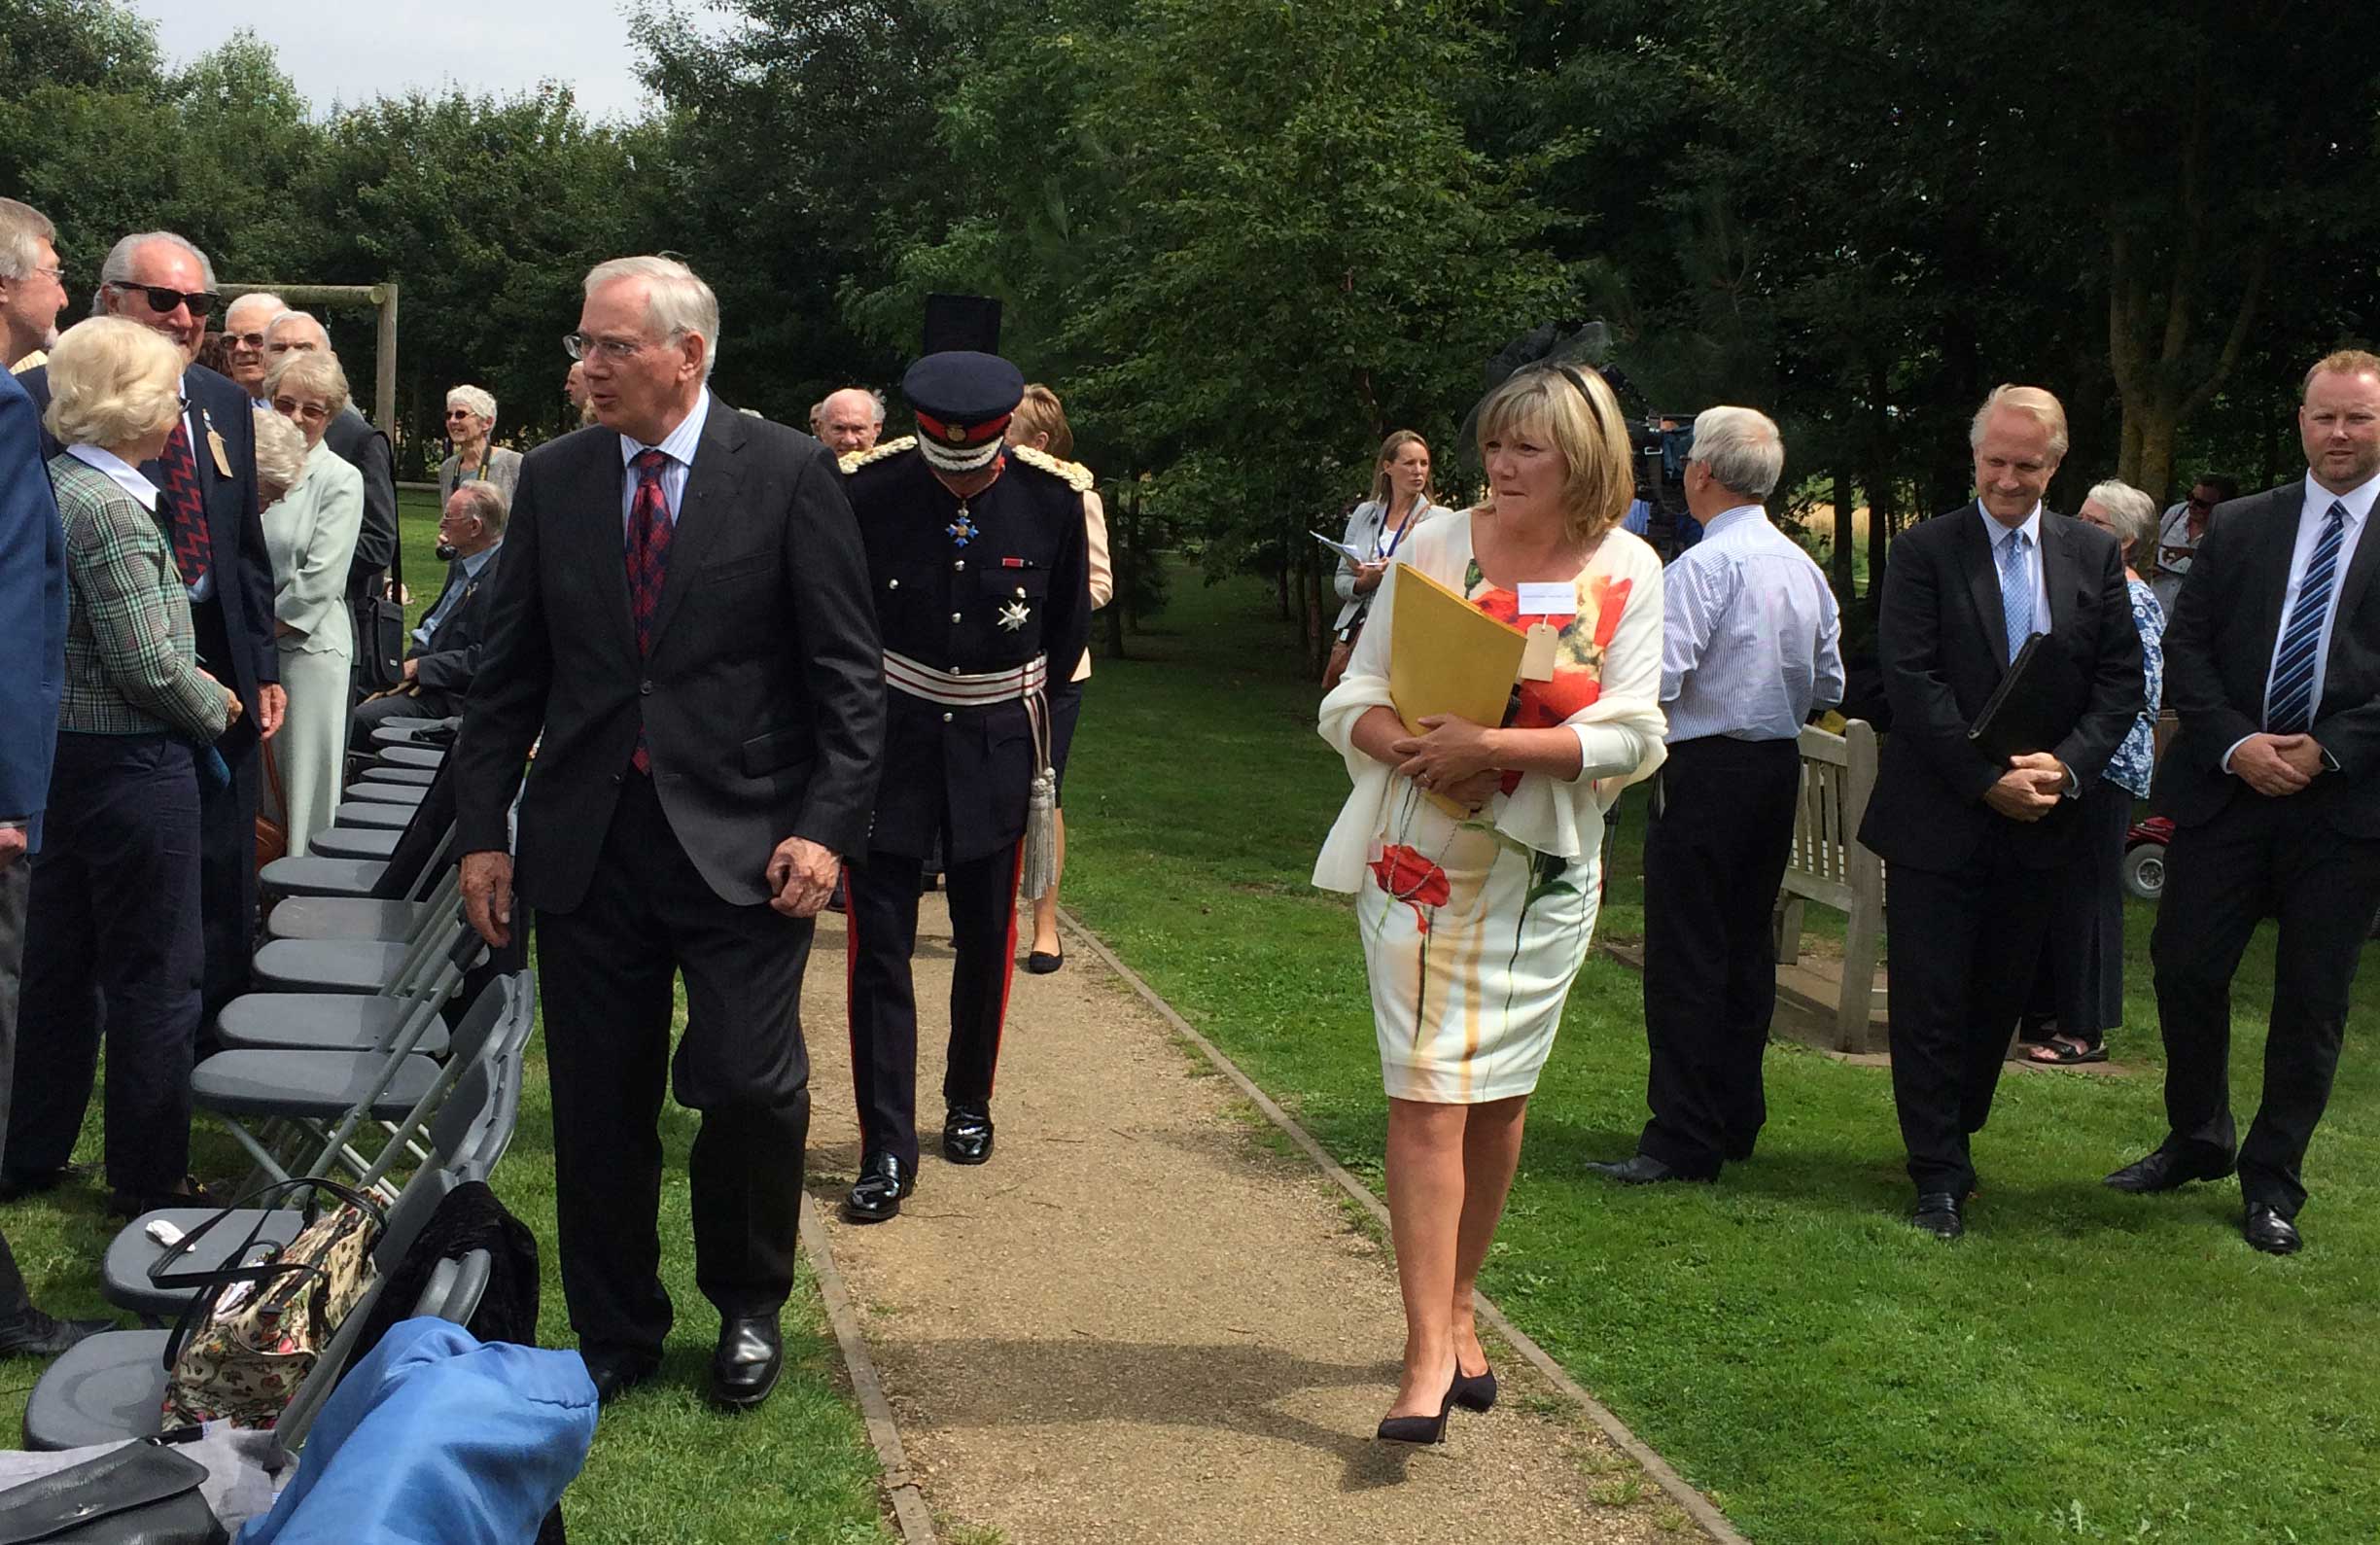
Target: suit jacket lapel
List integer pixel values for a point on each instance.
(2062, 574)
(702, 508)
(2271, 540)
(1974, 551)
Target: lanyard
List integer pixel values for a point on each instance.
(1402, 527)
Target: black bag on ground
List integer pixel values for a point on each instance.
(142, 1493)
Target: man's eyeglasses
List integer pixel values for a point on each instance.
(582, 346)
(245, 340)
(454, 414)
(162, 298)
(2196, 503)
(58, 273)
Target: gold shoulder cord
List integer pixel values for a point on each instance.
(1073, 475)
(851, 461)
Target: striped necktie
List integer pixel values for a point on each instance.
(2288, 703)
(193, 553)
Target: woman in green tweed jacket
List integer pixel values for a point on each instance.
(112, 929)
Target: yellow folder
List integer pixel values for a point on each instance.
(1448, 656)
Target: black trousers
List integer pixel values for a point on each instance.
(605, 975)
(2077, 989)
(226, 838)
(112, 944)
(883, 902)
(2258, 859)
(1961, 952)
(1716, 844)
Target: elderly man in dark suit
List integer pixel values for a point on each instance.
(2273, 663)
(1975, 841)
(208, 476)
(32, 673)
(682, 611)
(438, 669)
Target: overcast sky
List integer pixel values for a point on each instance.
(355, 50)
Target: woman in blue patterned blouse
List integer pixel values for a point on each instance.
(2079, 995)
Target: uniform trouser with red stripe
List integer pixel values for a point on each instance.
(882, 910)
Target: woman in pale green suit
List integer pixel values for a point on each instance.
(310, 531)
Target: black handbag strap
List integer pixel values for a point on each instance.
(212, 1282)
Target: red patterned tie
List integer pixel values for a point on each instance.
(648, 541)
(191, 549)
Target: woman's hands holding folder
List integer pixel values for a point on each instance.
(1456, 760)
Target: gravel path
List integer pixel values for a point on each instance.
(1140, 1323)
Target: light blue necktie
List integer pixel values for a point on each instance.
(2288, 706)
(2015, 592)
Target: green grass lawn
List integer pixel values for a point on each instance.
(2083, 1365)
(666, 1467)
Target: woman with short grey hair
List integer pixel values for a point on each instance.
(2078, 995)
(470, 424)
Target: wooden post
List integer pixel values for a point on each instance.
(384, 384)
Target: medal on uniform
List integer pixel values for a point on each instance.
(1014, 616)
(962, 529)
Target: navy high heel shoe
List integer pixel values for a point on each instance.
(1475, 1392)
(1422, 1429)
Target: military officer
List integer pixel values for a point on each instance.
(981, 577)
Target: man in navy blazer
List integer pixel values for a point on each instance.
(32, 673)
(162, 282)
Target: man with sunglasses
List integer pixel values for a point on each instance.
(209, 511)
(244, 325)
(2179, 530)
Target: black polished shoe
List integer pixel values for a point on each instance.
(1475, 1392)
(2268, 1231)
(744, 1369)
(1940, 1213)
(16, 1184)
(2165, 1169)
(877, 1194)
(1644, 1170)
(1420, 1429)
(966, 1135)
(1043, 961)
(616, 1373)
(30, 1333)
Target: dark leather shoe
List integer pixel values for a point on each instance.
(877, 1194)
(2268, 1231)
(616, 1373)
(16, 1184)
(1475, 1392)
(1644, 1170)
(1043, 961)
(1940, 1214)
(744, 1370)
(2165, 1169)
(30, 1333)
(967, 1135)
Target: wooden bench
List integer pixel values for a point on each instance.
(1828, 865)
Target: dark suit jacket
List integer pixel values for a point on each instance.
(351, 436)
(241, 566)
(1942, 643)
(762, 701)
(32, 615)
(2219, 651)
(450, 661)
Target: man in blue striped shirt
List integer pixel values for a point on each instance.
(1750, 648)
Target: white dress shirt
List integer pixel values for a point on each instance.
(1751, 637)
(124, 475)
(2310, 522)
(678, 446)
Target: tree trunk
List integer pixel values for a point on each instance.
(2152, 469)
(1839, 556)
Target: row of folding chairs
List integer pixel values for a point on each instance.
(361, 1057)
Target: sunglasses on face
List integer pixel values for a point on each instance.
(312, 412)
(245, 340)
(162, 299)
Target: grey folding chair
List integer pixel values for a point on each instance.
(359, 965)
(348, 842)
(109, 1387)
(383, 773)
(370, 815)
(353, 1022)
(422, 757)
(387, 794)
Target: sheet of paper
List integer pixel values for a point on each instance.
(1558, 600)
(1340, 548)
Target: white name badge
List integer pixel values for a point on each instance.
(1549, 600)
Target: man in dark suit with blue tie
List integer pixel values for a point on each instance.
(683, 614)
(2272, 660)
(1976, 839)
(209, 508)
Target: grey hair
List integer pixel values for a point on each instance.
(22, 228)
(2131, 513)
(676, 302)
(255, 298)
(1743, 449)
(280, 451)
(876, 402)
(2033, 402)
(285, 319)
(473, 400)
(117, 267)
(494, 506)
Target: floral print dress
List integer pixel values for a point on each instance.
(1471, 934)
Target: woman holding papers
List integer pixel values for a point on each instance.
(1400, 501)
(1472, 847)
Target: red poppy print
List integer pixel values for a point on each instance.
(1412, 879)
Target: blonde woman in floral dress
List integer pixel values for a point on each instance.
(1473, 928)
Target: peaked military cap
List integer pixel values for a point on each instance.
(962, 400)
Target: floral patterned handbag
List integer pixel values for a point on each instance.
(257, 1325)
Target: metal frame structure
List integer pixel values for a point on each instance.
(382, 296)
